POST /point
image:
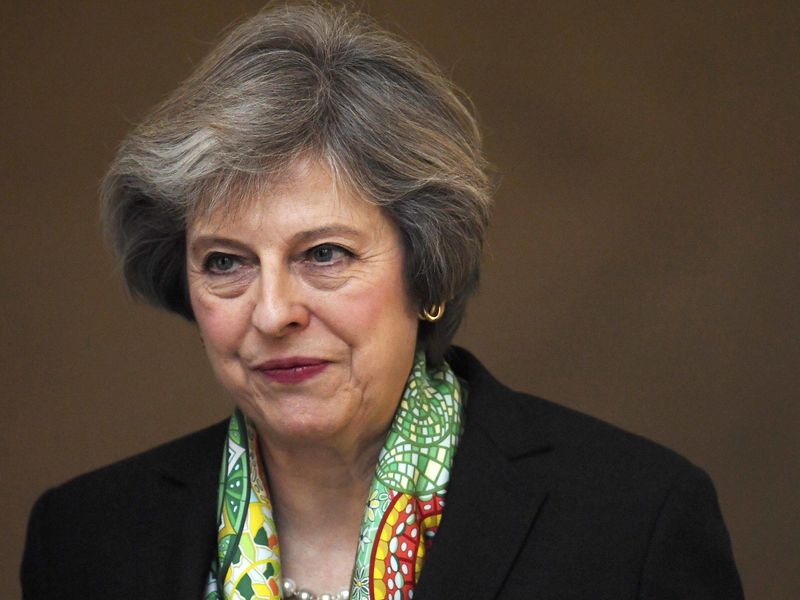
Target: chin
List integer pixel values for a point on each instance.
(297, 427)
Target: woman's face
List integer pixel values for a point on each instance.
(302, 305)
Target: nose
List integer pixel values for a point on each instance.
(280, 308)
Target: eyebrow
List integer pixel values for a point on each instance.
(335, 229)
(203, 241)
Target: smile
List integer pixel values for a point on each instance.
(292, 370)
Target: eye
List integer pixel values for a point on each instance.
(327, 254)
(220, 263)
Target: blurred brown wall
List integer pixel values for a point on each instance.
(642, 267)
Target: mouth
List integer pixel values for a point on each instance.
(293, 370)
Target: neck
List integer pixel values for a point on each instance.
(318, 496)
(304, 478)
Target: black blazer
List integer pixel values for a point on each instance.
(544, 503)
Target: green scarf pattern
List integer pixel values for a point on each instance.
(402, 514)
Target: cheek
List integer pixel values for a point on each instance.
(379, 320)
(219, 320)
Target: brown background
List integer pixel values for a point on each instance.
(642, 266)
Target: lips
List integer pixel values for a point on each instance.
(293, 370)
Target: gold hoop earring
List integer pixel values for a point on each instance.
(435, 313)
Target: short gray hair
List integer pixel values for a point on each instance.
(304, 80)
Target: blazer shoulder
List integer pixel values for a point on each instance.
(104, 528)
(180, 459)
(521, 423)
(607, 452)
(596, 440)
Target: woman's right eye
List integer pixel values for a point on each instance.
(219, 263)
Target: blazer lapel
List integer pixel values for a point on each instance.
(196, 546)
(179, 553)
(500, 480)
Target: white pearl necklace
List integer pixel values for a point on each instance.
(290, 592)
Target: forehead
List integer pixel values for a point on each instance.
(308, 196)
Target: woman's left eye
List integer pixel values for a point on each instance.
(220, 263)
(327, 254)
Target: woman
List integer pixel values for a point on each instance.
(314, 198)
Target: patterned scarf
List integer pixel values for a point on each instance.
(401, 517)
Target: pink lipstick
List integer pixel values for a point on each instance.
(295, 369)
